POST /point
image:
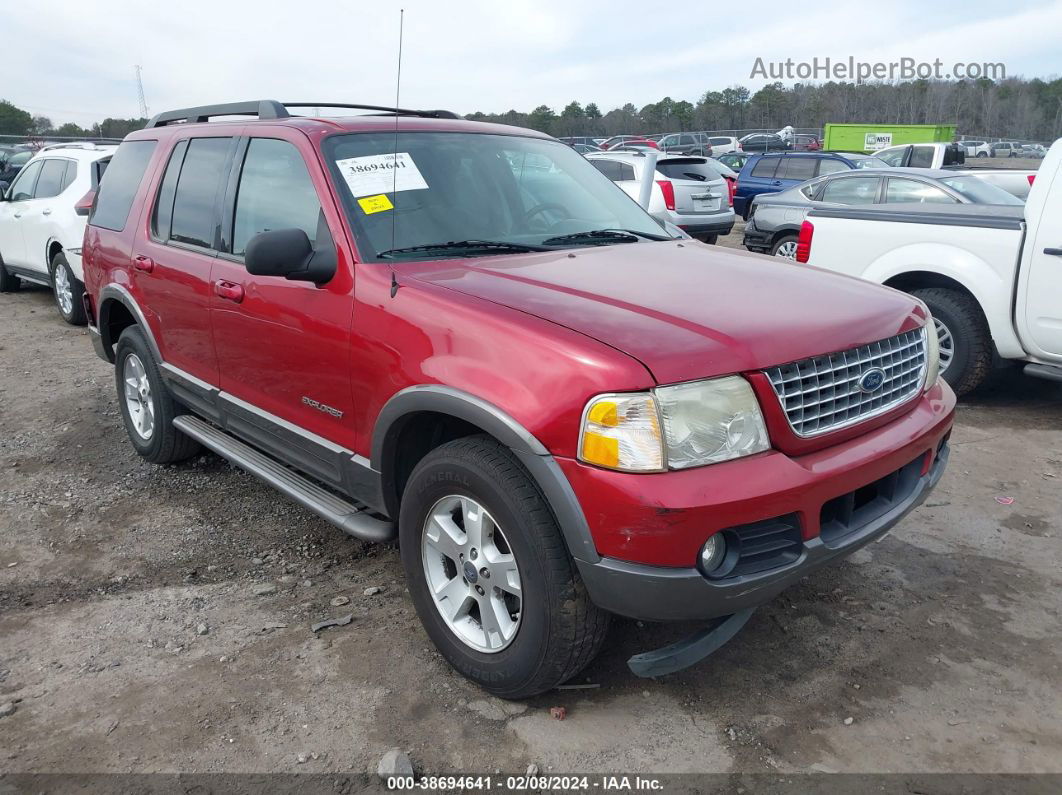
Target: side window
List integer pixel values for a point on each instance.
(118, 190)
(275, 193)
(70, 176)
(921, 157)
(765, 168)
(831, 165)
(610, 168)
(909, 190)
(851, 190)
(626, 172)
(50, 182)
(687, 140)
(24, 182)
(194, 219)
(163, 212)
(798, 168)
(669, 140)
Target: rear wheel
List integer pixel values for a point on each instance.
(963, 335)
(147, 407)
(489, 572)
(68, 291)
(785, 247)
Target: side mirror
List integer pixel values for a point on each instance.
(288, 253)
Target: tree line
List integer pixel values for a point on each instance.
(16, 121)
(1012, 108)
(1028, 110)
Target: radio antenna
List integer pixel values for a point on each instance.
(394, 162)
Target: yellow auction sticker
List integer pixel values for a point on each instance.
(375, 204)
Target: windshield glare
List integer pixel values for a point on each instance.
(869, 162)
(472, 186)
(980, 192)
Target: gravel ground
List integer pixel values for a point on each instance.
(157, 619)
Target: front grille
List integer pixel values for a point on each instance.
(823, 393)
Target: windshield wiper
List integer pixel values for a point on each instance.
(487, 246)
(602, 236)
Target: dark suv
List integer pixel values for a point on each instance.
(771, 173)
(463, 337)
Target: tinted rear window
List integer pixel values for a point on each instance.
(801, 168)
(719, 141)
(687, 170)
(119, 188)
(193, 205)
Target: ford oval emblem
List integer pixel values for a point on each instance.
(871, 380)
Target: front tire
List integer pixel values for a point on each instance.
(67, 290)
(489, 572)
(962, 331)
(146, 404)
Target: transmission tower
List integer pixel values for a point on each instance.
(140, 93)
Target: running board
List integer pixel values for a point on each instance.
(345, 515)
(1051, 372)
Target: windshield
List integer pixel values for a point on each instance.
(867, 162)
(517, 193)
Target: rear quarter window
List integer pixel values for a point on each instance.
(119, 187)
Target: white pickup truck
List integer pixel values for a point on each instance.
(991, 276)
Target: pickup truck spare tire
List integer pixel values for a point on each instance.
(970, 341)
(489, 573)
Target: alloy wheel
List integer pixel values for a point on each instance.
(787, 250)
(138, 400)
(946, 343)
(472, 574)
(64, 291)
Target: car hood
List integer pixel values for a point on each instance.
(685, 310)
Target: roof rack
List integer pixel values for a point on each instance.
(80, 145)
(271, 109)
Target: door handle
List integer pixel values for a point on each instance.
(230, 291)
(46, 212)
(18, 215)
(142, 263)
(1051, 252)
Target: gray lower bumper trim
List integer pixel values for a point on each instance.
(659, 593)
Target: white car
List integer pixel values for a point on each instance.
(723, 144)
(989, 275)
(41, 229)
(976, 148)
(687, 191)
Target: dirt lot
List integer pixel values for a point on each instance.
(134, 635)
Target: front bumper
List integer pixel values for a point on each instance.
(650, 548)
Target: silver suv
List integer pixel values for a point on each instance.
(687, 192)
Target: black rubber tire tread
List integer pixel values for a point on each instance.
(961, 313)
(576, 626)
(167, 445)
(9, 282)
(77, 314)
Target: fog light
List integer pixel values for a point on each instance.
(713, 552)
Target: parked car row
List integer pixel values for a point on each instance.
(495, 356)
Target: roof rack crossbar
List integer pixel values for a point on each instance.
(271, 109)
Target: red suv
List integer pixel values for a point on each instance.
(463, 336)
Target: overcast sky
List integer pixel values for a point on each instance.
(73, 61)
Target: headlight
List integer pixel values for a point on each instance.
(704, 422)
(710, 421)
(622, 432)
(932, 351)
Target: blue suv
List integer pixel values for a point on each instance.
(773, 172)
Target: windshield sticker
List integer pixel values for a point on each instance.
(375, 204)
(375, 174)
